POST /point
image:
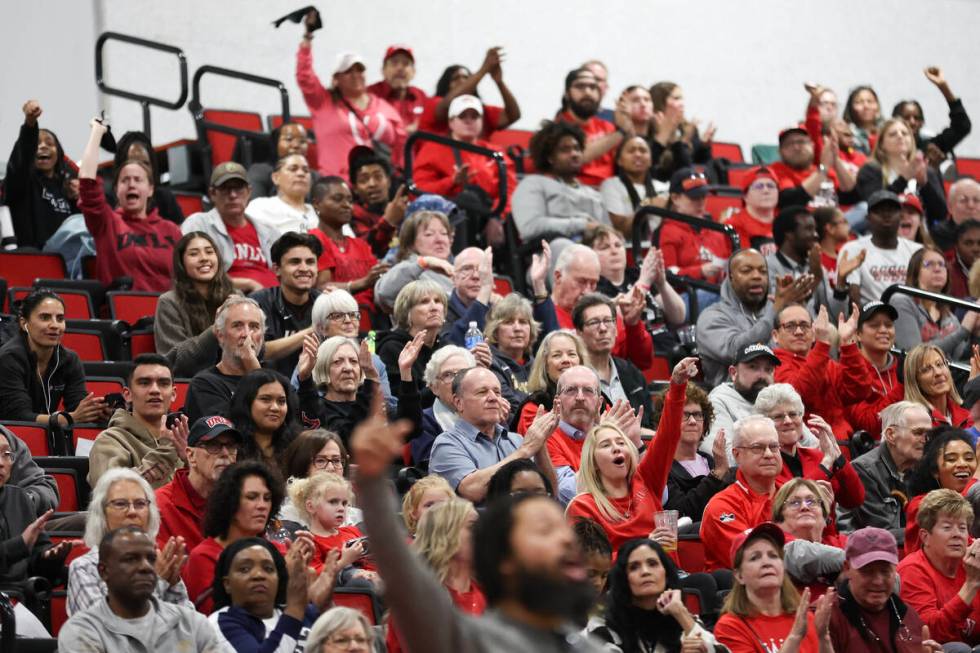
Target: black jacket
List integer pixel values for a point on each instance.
(689, 495)
(513, 378)
(869, 180)
(389, 345)
(342, 416)
(958, 129)
(280, 322)
(24, 395)
(210, 393)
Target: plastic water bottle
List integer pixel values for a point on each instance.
(370, 340)
(826, 195)
(473, 336)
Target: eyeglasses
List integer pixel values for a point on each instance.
(447, 376)
(7, 455)
(934, 265)
(696, 415)
(793, 327)
(796, 504)
(759, 448)
(345, 641)
(214, 448)
(573, 391)
(764, 185)
(791, 415)
(353, 316)
(468, 270)
(604, 321)
(322, 462)
(124, 504)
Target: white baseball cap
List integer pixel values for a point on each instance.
(346, 61)
(463, 102)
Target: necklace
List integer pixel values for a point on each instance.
(902, 632)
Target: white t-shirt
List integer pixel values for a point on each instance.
(276, 213)
(881, 267)
(616, 199)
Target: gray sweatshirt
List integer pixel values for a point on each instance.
(545, 206)
(726, 327)
(908, 330)
(386, 288)
(40, 488)
(427, 619)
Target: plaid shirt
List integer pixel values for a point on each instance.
(85, 587)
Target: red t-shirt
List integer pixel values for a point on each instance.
(599, 169)
(750, 634)
(429, 123)
(752, 232)
(409, 107)
(249, 260)
(326, 543)
(347, 262)
(935, 597)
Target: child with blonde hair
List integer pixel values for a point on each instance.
(426, 493)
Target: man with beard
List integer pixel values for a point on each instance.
(886, 253)
(239, 326)
(753, 370)
(131, 619)
(396, 88)
(747, 502)
(526, 560)
(800, 177)
(580, 106)
(744, 315)
(798, 253)
(288, 307)
(375, 215)
(212, 446)
(140, 439)
(885, 470)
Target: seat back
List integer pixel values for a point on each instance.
(180, 386)
(361, 599)
(132, 306)
(967, 167)
(691, 554)
(103, 385)
(22, 268)
(190, 203)
(763, 154)
(37, 437)
(87, 344)
(67, 482)
(730, 151)
(78, 304)
(223, 145)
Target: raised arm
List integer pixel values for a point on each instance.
(313, 91)
(491, 59)
(655, 465)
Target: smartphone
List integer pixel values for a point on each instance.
(173, 418)
(115, 400)
(353, 542)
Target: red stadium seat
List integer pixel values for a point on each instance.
(84, 432)
(967, 167)
(691, 554)
(720, 206)
(132, 306)
(59, 610)
(692, 600)
(34, 435)
(502, 284)
(738, 174)
(223, 145)
(22, 268)
(659, 370)
(141, 342)
(504, 138)
(362, 600)
(78, 304)
(190, 203)
(181, 386)
(730, 151)
(67, 481)
(87, 344)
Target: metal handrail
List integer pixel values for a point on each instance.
(497, 157)
(939, 298)
(204, 126)
(145, 100)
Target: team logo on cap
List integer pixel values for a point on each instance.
(751, 349)
(216, 420)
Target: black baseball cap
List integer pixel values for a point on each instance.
(690, 182)
(206, 429)
(880, 197)
(870, 309)
(758, 350)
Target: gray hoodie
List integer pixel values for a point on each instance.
(727, 326)
(40, 488)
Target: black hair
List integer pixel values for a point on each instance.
(304, 448)
(225, 498)
(632, 623)
(591, 537)
(368, 160)
(149, 358)
(785, 223)
(442, 86)
(126, 141)
(30, 303)
(501, 481)
(965, 226)
(240, 414)
(823, 216)
(924, 476)
(848, 114)
(222, 568)
(587, 301)
(492, 543)
(321, 185)
(105, 545)
(897, 110)
(198, 310)
(292, 239)
(635, 199)
(61, 169)
(545, 141)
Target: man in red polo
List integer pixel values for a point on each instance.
(580, 105)
(581, 398)
(212, 446)
(398, 70)
(800, 175)
(747, 502)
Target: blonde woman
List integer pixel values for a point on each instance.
(511, 332)
(558, 351)
(444, 541)
(420, 310)
(896, 165)
(929, 383)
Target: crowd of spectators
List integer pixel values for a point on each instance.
(758, 425)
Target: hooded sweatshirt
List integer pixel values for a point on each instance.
(24, 394)
(128, 443)
(726, 327)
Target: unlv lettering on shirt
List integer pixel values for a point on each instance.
(154, 241)
(246, 253)
(58, 204)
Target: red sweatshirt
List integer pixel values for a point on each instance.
(753, 232)
(648, 482)
(126, 247)
(935, 597)
(633, 342)
(762, 633)
(825, 385)
(734, 510)
(435, 168)
(181, 511)
(912, 543)
(565, 451)
(686, 250)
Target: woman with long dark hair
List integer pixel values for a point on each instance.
(633, 185)
(863, 112)
(644, 608)
(182, 324)
(136, 146)
(265, 410)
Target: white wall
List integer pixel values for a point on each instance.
(741, 63)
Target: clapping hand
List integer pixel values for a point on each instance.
(409, 354)
(307, 357)
(171, 559)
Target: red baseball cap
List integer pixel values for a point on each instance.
(395, 49)
(870, 544)
(761, 171)
(766, 529)
(912, 200)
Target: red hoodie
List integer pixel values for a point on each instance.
(885, 390)
(435, 169)
(686, 250)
